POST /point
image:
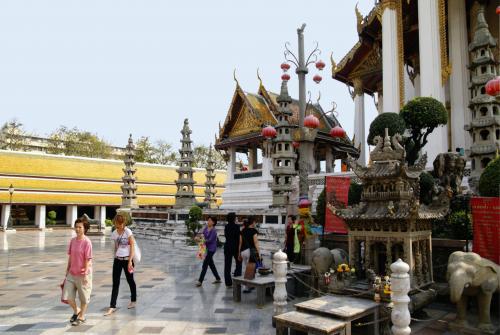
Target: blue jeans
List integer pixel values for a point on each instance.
(208, 262)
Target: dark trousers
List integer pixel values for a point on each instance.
(118, 265)
(209, 261)
(228, 261)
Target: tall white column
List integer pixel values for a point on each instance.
(231, 167)
(329, 160)
(5, 216)
(459, 78)
(102, 216)
(359, 119)
(390, 67)
(380, 102)
(40, 216)
(416, 83)
(400, 286)
(430, 70)
(71, 215)
(97, 212)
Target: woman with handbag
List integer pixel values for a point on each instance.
(248, 250)
(124, 247)
(210, 235)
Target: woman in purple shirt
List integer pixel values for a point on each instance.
(210, 235)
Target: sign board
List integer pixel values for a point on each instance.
(336, 194)
(486, 227)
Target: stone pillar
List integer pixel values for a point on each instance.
(390, 58)
(97, 212)
(280, 265)
(416, 85)
(359, 119)
(400, 286)
(40, 216)
(252, 158)
(5, 216)
(71, 215)
(231, 166)
(388, 252)
(430, 70)
(102, 216)
(329, 160)
(380, 102)
(459, 78)
(368, 264)
(408, 257)
(352, 249)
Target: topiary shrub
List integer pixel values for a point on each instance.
(51, 218)
(426, 183)
(320, 208)
(421, 116)
(489, 182)
(354, 195)
(392, 121)
(108, 222)
(192, 223)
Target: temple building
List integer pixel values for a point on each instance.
(417, 48)
(250, 186)
(72, 186)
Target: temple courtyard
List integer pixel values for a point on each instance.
(32, 265)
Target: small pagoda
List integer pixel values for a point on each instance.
(283, 154)
(184, 197)
(210, 191)
(389, 222)
(129, 189)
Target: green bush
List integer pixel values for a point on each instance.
(51, 218)
(108, 222)
(421, 116)
(489, 182)
(426, 183)
(354, 195)
(193, 224)
(459, 225)
(392, 121)
(320, 208)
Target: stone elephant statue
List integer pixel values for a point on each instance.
(324, 259)
(469, 274)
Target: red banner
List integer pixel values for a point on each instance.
(336, 194)
(486, 227)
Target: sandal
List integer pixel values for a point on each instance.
(110, 311)
(74, 316)
(78, 322)
(131, 305)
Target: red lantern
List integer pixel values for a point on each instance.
(285, 77)
(317, 79)
(311, 121)
(337, 132)
(320, 65)
(295, 144)
(304, 203)
(498, 10)
(493, 87)
(269, 132)
(285, 67)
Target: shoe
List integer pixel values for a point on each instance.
(73, 318)
(78, 322)
(110, 311)
(217, 281)
(198, 283)
(131, 305)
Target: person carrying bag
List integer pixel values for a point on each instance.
(248, 250)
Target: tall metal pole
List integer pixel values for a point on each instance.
(9, 220)
(301, 72)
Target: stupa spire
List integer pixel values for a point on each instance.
(184, 197)
(129, 189)
(210, 181)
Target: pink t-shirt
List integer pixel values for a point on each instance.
(79, 251)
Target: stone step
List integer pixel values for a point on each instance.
(308, 323)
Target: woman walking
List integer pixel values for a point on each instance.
(249, 245)
(124, 242)
(210, 235)
(79, 272)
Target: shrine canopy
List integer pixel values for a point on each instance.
(249, 113)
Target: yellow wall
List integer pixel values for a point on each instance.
(60, 180)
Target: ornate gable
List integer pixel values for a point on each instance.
(245, 123)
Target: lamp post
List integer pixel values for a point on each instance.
(9, 221)
(306, 132)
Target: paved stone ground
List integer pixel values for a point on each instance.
(32, 264)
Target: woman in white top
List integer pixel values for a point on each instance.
(124, 253)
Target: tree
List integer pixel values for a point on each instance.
(200, 157)
(426, 183)
(422, 115)
(193, 224)
(164, 154)
(392, 121)
(13, 136)
(354, 195)
(75, 142)
(489, 182)
(144, 150)
(320, 208)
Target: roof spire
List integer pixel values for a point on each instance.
(284, 96)
(258, 77)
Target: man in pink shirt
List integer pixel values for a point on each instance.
(79, 272)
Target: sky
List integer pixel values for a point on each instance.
(142, 67)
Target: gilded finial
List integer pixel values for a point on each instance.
(234, 76)
(258, 77)
(359, 18)
(334, 65)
